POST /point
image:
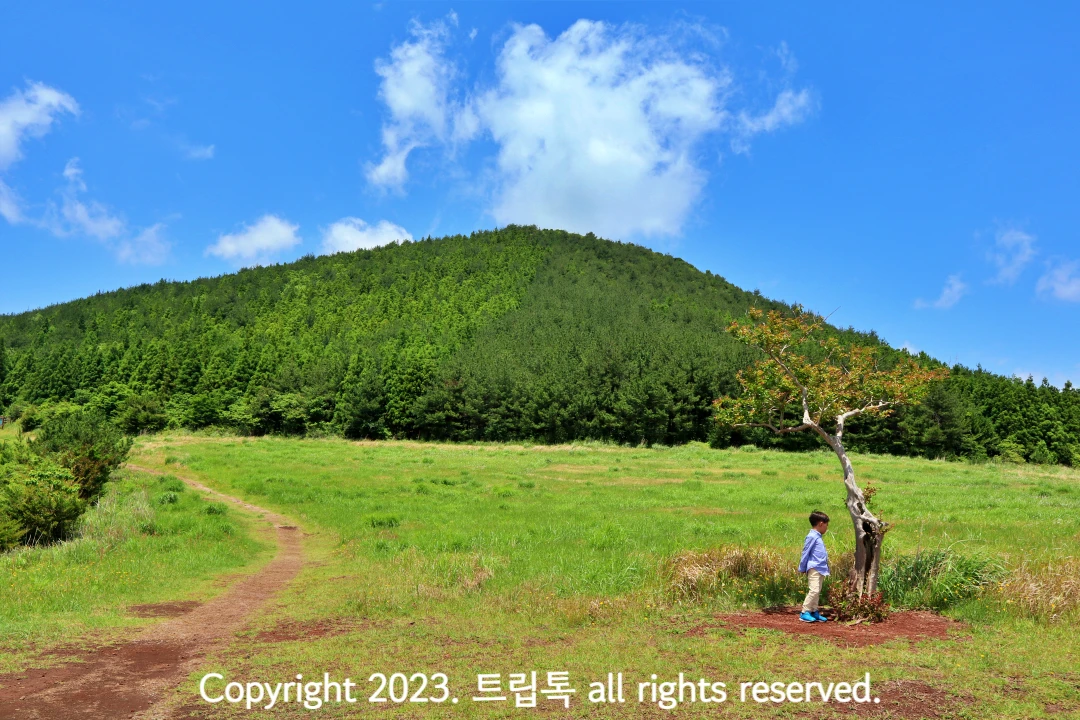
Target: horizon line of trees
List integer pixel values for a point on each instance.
(511, 334)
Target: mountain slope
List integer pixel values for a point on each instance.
(515, 333)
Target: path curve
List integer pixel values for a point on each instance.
(134, 679)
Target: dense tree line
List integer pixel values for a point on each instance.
(510, 334)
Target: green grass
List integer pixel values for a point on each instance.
(10, 431)
(147, 540)
(496, 558)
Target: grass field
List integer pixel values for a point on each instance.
(10, 431)
(469, 559)
(500, 559)
(147, 541)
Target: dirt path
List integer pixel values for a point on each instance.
(134, 679)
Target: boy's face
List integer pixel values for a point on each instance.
(822, 527)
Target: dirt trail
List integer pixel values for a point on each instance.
(133, 680)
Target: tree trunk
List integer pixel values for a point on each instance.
(869, 531)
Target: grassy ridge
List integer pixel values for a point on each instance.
(495, 558)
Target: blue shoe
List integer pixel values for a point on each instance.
(808, 617)
(819, 617)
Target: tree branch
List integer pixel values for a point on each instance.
(780, 430)
(841, 419)
(807, 422)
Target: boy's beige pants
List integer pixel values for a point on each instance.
(813, 578)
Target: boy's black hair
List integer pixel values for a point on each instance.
(818, 517)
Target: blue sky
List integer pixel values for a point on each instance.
(912, 170)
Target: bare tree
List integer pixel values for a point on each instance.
(809, 380)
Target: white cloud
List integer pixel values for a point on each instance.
(160, 104)
(78, 217)
(88, 218)
(146, 248)
(29, 113)
(787, 58)
(954, 289)
(73, 174)
(909, 348)
(790, 108)
(596, 130)
(1014, 250)
(352, 233)
(10, 205)
(198, 152)
(1062, 280)
(415, 88)
(255, 243)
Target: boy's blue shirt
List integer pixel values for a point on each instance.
(814, 554)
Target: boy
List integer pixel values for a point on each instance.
(815, 563)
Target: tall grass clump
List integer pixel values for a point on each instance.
(1047, 592)
(749, 574)
(936, 579)
(116, 518)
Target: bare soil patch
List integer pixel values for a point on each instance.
(62, 693)
(907, 625)
(907, 700)
(133, 679)
(294, 630)
(165, 609)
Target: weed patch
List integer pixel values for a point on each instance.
(753, 574)
(1049, 592)
(384, 521)
(936, 579)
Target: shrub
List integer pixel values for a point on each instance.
(87, 444)
(1041, 455)
(106, 399)
(215, 509)
(1011, 451)
(173, 484)
(30, 418)
(141, 413)
(848, 605)
(1070, 454)
(11, 532)
(36, 416)
(936, 579)
(193, 411)
(168, 498)
(15, 411)
(44, 503)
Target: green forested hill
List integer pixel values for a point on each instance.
(515, 333)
